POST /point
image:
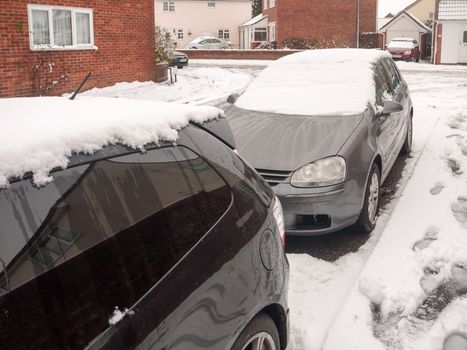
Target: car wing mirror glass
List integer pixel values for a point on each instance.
(391, 107)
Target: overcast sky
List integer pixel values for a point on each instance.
(394, 6)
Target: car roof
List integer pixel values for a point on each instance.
(403, 39)
(198, 40)
(315, 82)
(39, 134)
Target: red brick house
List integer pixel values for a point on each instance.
(48, 46)
(319, 20)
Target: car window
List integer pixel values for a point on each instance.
(97, 237)
(392, 74)
(382, 85)
(204, 42)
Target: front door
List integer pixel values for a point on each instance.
(462, 51)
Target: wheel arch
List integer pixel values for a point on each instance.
(279, 316)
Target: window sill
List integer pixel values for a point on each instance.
(63, 48)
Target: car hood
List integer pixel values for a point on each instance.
(287, 142)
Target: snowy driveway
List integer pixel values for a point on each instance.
(405, 285)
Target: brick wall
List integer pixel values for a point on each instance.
(324, 20)
(123, 34)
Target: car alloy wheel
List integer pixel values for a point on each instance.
(373, 198)
(367, 220)
(260, 341)
(407, 146)
(260, 334)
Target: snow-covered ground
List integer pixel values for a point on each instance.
(195, 85)
(405, 288)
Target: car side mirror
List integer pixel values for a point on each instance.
(391, 107)
(232, 98)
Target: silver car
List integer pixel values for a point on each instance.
(208, 43)
(324, 129)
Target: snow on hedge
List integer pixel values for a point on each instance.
(315, 82)
(39, 134)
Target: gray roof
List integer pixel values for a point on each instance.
(452, 10)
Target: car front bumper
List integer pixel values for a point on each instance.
(316, 211)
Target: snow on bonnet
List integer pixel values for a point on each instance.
(315, 82)
(39, 134)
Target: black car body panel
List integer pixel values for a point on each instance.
(181, 235)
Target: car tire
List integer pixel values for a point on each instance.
(261, 329)
(367, 220)
(407, 146)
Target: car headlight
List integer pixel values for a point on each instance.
(407, 52)
(323, 172)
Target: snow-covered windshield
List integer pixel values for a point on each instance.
(315, 82)
(401, 44)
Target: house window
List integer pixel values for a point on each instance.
(265, 4)
(211, 4)
(57, 27)
(180, 34)
(272, 3)
(168, 6)
(260, 34)
(224, 34)
(465, 38)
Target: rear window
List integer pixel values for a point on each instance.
(99, 236)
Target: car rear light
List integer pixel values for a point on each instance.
(279, 217)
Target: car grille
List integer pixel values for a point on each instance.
(274, 177)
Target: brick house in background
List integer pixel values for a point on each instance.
(316, 20)
(47, 47)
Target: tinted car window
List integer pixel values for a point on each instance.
(383, 91)
(392, 74)
(98, 237)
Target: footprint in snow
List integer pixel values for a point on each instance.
(457, 122)
(459, 209)
(431, 235)
(437, 188)
(455, 166)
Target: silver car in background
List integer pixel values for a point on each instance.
(208, 43)
(323, 128)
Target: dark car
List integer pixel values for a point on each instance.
(178, 247)
(179, 60)
(324, 127)
(404, 49)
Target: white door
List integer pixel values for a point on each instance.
(462, 51)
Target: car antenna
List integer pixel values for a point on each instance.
(80, 86)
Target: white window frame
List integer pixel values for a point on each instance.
(265, 5)
(260, 30)
(272, 31)
(52, 46)
(272, 3)
(221, 34)
(170, 6)
(211, 4)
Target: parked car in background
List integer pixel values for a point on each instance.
(179, 246)
(179, 60)
(324, 127)
(208, 43)
(404, 49)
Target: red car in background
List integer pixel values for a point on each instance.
(404, 49)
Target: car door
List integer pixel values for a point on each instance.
(384, 123)
(400, 95)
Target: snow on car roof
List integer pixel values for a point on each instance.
(201, 38)
(401, 44)
(38, 134)
(403, 39)
(315, 82)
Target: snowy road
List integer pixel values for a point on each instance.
(406, 284)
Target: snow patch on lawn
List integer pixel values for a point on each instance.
(39, 134)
